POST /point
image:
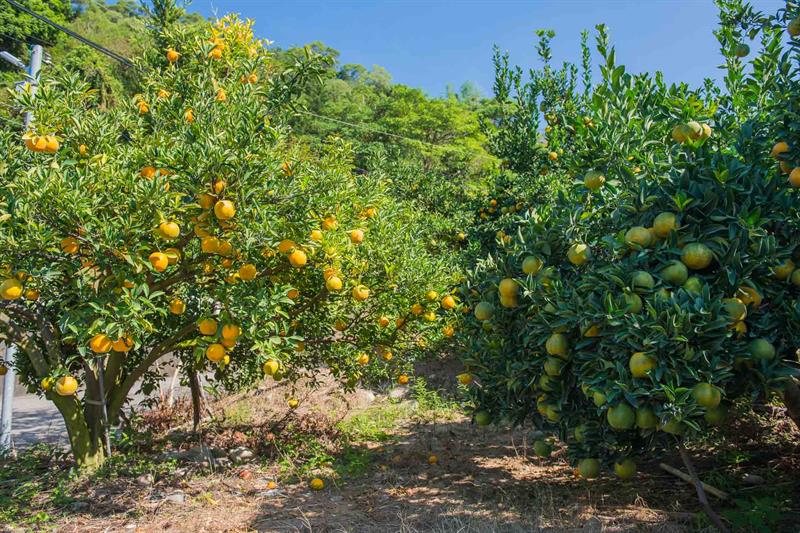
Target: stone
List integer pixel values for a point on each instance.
(240, 454)
(176, 497)
(79, 506)
(145, 480)
(753, 479)
(398, 393)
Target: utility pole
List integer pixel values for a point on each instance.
(10, 379)
(37, 52)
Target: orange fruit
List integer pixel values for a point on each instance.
(448, 302)
(286, 246)
(363, 359)
(215, 352)
(794, 177)
(578, 254)
(333, 284)
(293, 294)
(209, 245)
(66, 386)
(205, 200)
(317, 484)
(248, 272)
(508, 287)
(159, 260)
(177, 306)
(557, 345)
(664, 224)
(784, 270)
(330, 223)
(172, 55)
(696, 256)
(148, 172)
(316, 235)
(298, 258)
(357, 236)
(224, 209)
(207, 326)
(706, 395)
(640, 364)
(593, 180)
(70, 245)
(589, 468)
(749, 296)
(271, 367)
(169, 230)
(122, 344)
(779, 148)
(100, 343)
(231, 331)
(360, 293)
(402, 379)
(173, 255)
(638, 235)
(417, 309)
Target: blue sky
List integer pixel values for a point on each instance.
(435, 43)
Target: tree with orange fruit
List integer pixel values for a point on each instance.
(653, 294)
(189, 224)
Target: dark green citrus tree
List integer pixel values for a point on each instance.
(656, 284)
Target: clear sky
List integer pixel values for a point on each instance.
(428, 44)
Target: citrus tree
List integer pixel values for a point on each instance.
(658, 284)
(191, 222)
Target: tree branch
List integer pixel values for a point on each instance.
(698, 486)
(25, 342)
(120, 393)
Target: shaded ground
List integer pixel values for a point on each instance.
(374, 456)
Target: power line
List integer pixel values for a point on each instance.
(368, 128)
(84, 40)
(34, 40)
(129, 63)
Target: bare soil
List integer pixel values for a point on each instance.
(485, 480)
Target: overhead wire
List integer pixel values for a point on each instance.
(129, 63)
(100, 48)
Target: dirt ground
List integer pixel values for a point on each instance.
(485, 480)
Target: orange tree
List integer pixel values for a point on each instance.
(191, 222)
(657, 284)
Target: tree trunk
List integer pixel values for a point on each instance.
(85, 439)
(791, 399)
(197, 398)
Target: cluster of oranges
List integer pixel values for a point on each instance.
(48, 144)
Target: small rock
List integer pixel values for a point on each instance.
(398, 393)
(132, 525)
(176, 497)
(753, 479)
(79, 506)
(241, 454)
(222, 462)
(145, 480)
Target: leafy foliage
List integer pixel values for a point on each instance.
(653, 293)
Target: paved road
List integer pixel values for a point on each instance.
(36, 419)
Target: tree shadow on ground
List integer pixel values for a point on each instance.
(484, 480)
